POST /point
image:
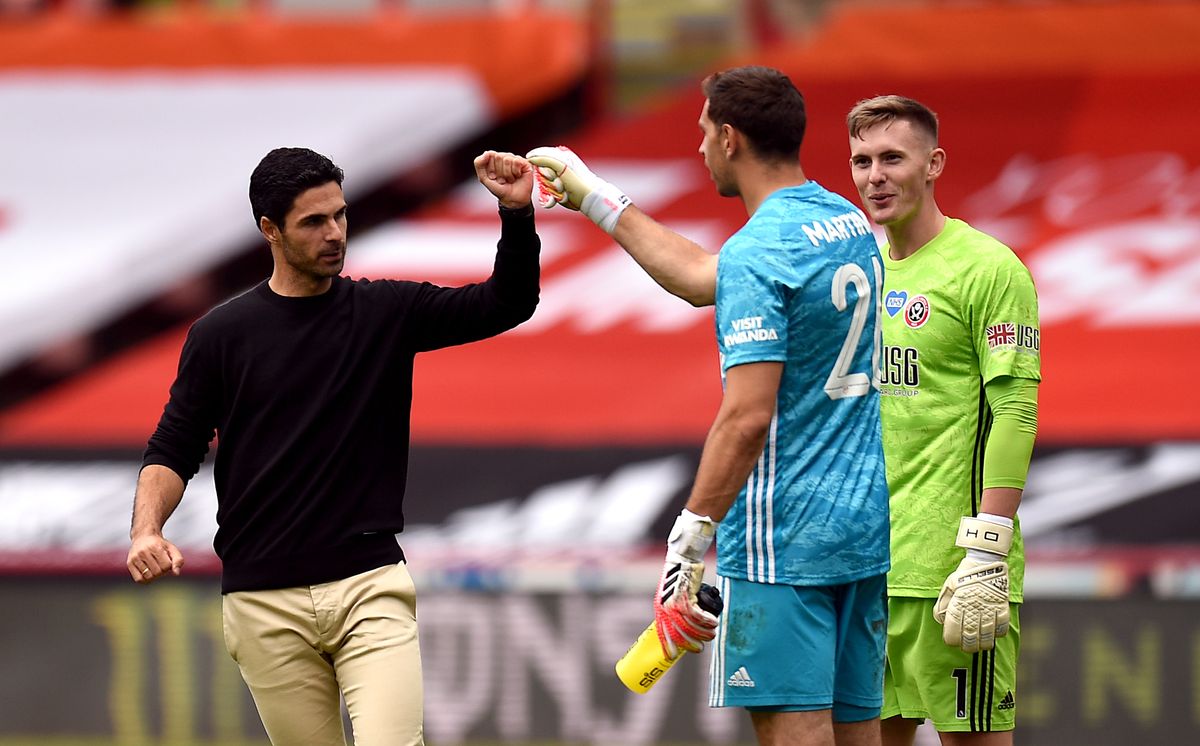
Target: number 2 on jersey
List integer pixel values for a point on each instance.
(841, 382)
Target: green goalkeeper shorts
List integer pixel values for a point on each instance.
(925, 678)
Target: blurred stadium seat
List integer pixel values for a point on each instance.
(1067, 137)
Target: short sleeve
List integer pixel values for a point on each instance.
(751, 313)
(1004, 320)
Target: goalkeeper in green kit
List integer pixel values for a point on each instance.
(958, 377)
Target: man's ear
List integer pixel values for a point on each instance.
(269, 230)
(937, 163)
(731, 139)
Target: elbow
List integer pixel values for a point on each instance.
(702, 290)
(528, 307)
(752, 425)
(513, 308)
(698, 292)
(695, 283)
(758, 425)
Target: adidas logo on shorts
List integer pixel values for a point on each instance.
(1007, 703)
(741, 678)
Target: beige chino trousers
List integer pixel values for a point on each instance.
(298, 647)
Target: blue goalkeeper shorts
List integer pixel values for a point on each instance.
(795, 648)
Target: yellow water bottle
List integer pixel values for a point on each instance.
(645, 662)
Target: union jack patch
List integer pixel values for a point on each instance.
(1001, 335)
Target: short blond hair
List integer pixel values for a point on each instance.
(884, 110)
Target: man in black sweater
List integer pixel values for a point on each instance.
(306, 380)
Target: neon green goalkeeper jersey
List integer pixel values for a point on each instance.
(959, 312)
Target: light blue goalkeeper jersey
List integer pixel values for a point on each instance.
(799, 284)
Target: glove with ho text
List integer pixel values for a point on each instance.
(973, 604)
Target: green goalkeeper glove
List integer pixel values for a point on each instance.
(564, 179)
(973, 604)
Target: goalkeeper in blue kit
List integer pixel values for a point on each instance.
(791, 480)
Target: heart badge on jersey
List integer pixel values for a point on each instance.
(894, 301)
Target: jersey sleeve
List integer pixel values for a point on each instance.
(444, 316)
(751, 312)
(189, 419)
(1004, 320)
(1010, 441)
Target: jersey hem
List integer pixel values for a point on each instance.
(1013, 482)
(1027, 375)
(1014, 598)
(807, 581)
(324, 565)
(733, 362)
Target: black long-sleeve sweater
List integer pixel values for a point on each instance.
(310, 399)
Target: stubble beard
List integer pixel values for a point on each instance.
(313, 267)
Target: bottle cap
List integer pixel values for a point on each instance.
(709, 599)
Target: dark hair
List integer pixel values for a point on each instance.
(762, 104)
(282, 175)
(884, 110)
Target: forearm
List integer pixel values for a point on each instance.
(1002, 501)
(516, 273)
(159, 490)
(681, 266)
(733, 446)
(445, 316)
(1010, 444)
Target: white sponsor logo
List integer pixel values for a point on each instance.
(750, 322)
(749, 329)
(755, 335)
(741, 678)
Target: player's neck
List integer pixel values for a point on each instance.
(765, 182)
(296, 284)
(906, 237)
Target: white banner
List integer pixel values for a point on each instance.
(114, 186)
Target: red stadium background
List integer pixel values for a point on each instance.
(1084, 175)
(547, 463)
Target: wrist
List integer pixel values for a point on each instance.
(516, 209)
(985, 533)
(996, 518)
(982, 555)
(604, 205)
(691, 536)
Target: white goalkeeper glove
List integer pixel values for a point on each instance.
(680, 622)
(562, 178)
(973, 604)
